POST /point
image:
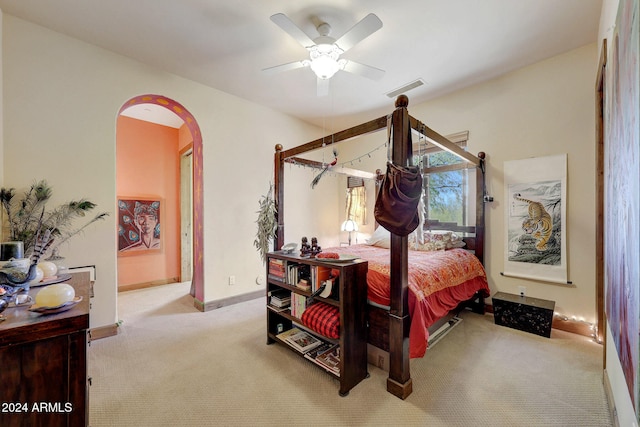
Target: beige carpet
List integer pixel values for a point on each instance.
(174, 366)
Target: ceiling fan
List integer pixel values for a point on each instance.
(324, 50)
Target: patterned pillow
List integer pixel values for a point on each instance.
(438, 236)
(428, 246)
(438, 240)
(322, 318)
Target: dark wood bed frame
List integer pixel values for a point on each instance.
(389, 329)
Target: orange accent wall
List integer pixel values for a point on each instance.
(184, 137)
(147, 165)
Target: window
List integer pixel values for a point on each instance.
(356, 206)
(446, 193)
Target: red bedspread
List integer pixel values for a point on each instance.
(438, 282)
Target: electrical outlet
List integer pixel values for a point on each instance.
(232, 280)
(522, 290)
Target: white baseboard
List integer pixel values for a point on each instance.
(609, 393)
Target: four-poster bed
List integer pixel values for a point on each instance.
(390, 327)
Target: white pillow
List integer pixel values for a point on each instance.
(380, 237)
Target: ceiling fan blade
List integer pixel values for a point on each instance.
(367, 71)
(363, 29)
(284, 67)
(323, 87)
(282, 21)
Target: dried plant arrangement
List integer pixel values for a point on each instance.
(267, 224)
(25, 216)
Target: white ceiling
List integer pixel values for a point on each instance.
(449, 44)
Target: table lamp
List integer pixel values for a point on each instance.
(349, 225)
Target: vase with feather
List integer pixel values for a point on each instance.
(15, 277)
(25, 216)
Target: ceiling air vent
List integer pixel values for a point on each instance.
(406, 88)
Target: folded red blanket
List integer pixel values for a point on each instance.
(331, 255)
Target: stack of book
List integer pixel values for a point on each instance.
(280, 299)
(306, 277)
(276, 269)
(304, 285)
(295, 272)
(322, 353)
(330, 359)
(286, 334)
(300, 340)
(298, 304)
(312, 354)
(327, 356)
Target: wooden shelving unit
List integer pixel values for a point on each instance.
(351, 300)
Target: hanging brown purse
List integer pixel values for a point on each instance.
(396, 207)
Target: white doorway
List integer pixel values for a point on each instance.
(186, 215)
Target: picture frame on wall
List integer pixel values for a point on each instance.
(535, 219)
(139, 225)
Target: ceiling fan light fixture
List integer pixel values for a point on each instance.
(324, 51)
(324, 60)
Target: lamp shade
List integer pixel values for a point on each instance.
(349, 225)
(324, 60)
(324, 67)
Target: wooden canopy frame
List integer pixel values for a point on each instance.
(399, 382)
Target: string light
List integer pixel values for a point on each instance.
(338, 165)
(577, 320)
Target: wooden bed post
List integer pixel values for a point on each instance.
(480, 212)
(278, 189)
(399, 382)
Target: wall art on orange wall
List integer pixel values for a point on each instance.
(139, 225)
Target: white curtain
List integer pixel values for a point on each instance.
(356, 208)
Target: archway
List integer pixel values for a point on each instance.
(197, 281)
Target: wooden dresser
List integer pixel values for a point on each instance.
(43, 364)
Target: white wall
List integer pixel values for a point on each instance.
(61, 98)
(320, 211)
(367, 153)
(541, 110)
